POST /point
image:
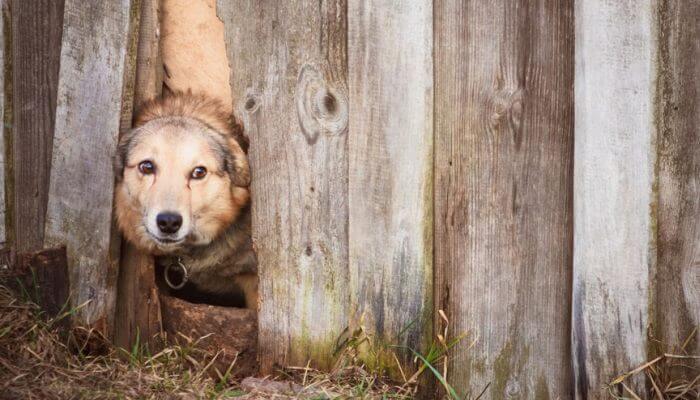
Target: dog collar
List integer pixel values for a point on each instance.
(175, 266)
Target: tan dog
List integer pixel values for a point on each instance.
(182, 192)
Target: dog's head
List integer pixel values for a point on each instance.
(182, 174)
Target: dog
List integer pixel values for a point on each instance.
(181, 194)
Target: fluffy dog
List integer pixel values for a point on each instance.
(182, 193)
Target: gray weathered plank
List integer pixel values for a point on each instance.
(614, 245)
(79, 212)
(677, 286)
(36, 48)
(390, 171)
(503, 193)
(138, 316)
(288, 79)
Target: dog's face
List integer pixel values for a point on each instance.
(180, 184)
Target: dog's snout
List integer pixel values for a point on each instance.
(169, 222)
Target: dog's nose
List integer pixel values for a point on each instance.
(169, 222)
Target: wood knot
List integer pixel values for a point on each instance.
(252, 103)
(321, 109)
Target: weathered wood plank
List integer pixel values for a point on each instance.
(390, 171)
(36, 49)
(677, 286)
(288, 72)
(91, 81)
(503, 193)
(5, 46)
(138, 305)
(615, 145)
(149, 59)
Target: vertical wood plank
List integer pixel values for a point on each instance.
(390, 170)
(149, 58)
(503, 193)
(288, 74)
(614, 205)
(36, 49)
(678, 114)
(4, 14)
(79, 213)
(138, 317)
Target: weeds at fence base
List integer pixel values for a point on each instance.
(40, 361)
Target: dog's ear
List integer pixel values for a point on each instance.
(237, 164)
(121, 155)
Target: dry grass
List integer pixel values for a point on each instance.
(40, 360)
(671, 376)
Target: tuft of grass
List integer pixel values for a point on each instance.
(39, 361)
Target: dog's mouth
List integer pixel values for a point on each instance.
(165, 241)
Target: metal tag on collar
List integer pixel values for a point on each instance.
(179, 267)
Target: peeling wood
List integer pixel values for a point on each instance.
(231, 332)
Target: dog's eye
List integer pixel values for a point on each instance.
(146, 167)
(199, 172)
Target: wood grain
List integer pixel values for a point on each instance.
(79, 214)
(230, 332)
(5, 60)
(677, 279)
(503, 193)
(390, 171)
(138, 315)
(288, 74)
(149, 59)
(36, 49)
(614, 201)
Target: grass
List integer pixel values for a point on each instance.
(41, 359)
(670, 376)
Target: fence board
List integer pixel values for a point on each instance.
(138, 315)
(503, 192)
(678, 113)
(36, 47)
(288, 74)
(390, 170)
(91, 82)
(5, 46)
(613, 188)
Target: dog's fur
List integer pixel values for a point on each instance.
(177, 133)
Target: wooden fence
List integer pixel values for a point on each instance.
(532, 168)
